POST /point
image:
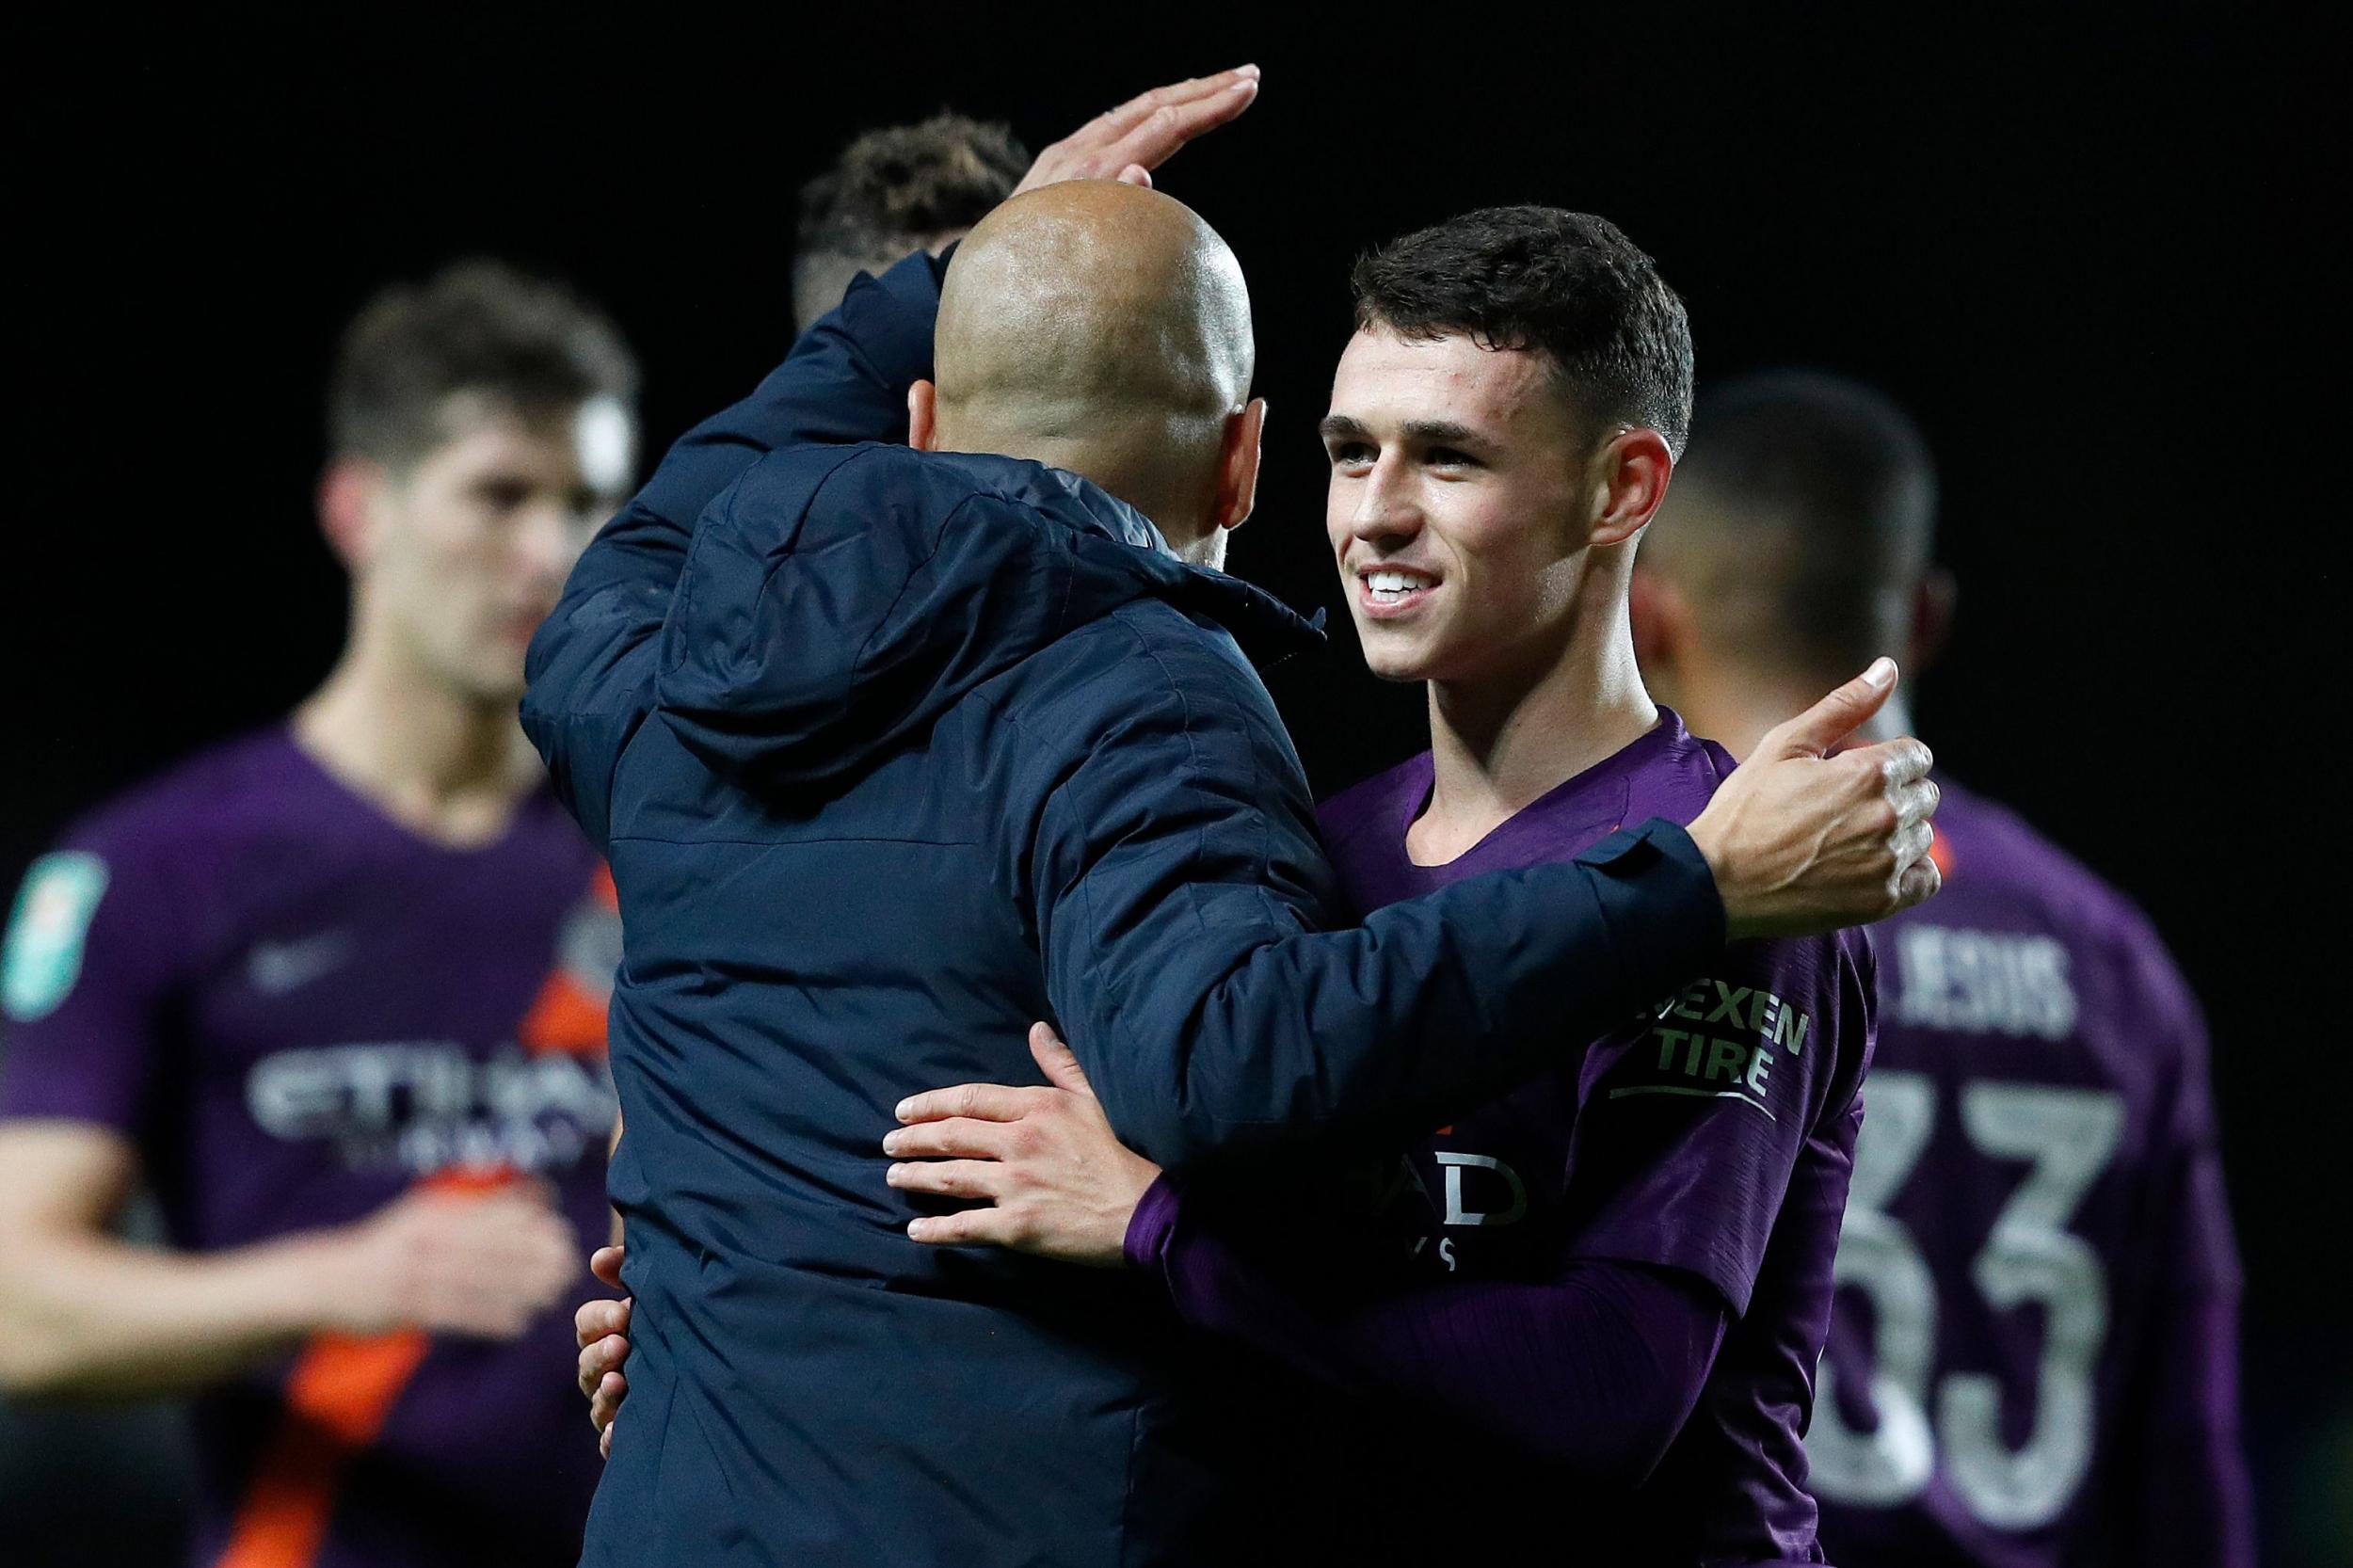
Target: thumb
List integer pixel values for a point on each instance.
(1136, 174)
(605, 1263)
(1058, 1061)
(1819, 728)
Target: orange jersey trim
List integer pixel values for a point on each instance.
(338, 1398)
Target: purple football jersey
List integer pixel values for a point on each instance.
(2033, 1353)
(1713, 1135)
(299, 1011)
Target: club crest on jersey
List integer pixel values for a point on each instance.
(46, 932)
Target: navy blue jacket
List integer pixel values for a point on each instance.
(892, 753)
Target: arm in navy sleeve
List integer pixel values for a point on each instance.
(1596, 1370)
(845, 380)
(1181, 890)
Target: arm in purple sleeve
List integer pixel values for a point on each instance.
(2186, 1497)
(1597, 1368)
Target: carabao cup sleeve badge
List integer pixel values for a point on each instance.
(43, 956)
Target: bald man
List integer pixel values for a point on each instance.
(896, 748)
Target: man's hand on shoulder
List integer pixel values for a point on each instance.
(1805, 838)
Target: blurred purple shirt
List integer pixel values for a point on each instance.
(2033, 1357)
(299, 1011)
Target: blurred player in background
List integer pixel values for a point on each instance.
(335, 992)
(902, 188)
(110, 1067)
(2033, 1358)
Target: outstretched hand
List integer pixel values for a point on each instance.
(1128, 143)
(1804, 837)
(1056, 1180)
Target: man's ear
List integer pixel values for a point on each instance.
(347, 493)
(1631, 475)
(1238, 465)
(923, 417)
(1932, 605)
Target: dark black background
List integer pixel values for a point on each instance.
(2086, 253)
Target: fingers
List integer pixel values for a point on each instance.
(950, 1178)
(1129, 141)
(605, 1263)
(989, 1103)
(1058, 1061)
(1157, 137)
(958, 1138)
(599, 1359)
(1820, 727)
(597, 1318)
(604, 1444)
(1918, 884)
(1915, 802)
(604, 1405)
(1912, 843)
(1113, 124)
(971, 1227)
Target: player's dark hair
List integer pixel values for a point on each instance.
(1825, 457)
(895, 189)
(479, 327)
(1566, 284)
(1821, 496)
(905, 183)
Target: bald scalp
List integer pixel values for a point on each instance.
(1101, 328)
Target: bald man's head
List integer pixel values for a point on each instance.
(1103, 328)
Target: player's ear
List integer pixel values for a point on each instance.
(347, 495)
(923, 417)
(1630, 480)
(1238, 464)
(1932, 605)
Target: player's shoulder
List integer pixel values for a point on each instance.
(1671, 773)
(229, 790)
(1998, 866)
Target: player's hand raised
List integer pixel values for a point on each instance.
(1057, 1179)
(1805, 838)
(1128, 142)
(482, 1264)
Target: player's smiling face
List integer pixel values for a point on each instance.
(1457, 509)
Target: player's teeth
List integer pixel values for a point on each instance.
(1391, 581)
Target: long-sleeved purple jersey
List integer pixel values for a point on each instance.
(1703, 1148)
(2033, 1353)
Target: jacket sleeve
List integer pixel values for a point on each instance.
(1181, 896)
(591, 664)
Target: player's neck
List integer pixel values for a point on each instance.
(447, 766)
(1500, 743)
